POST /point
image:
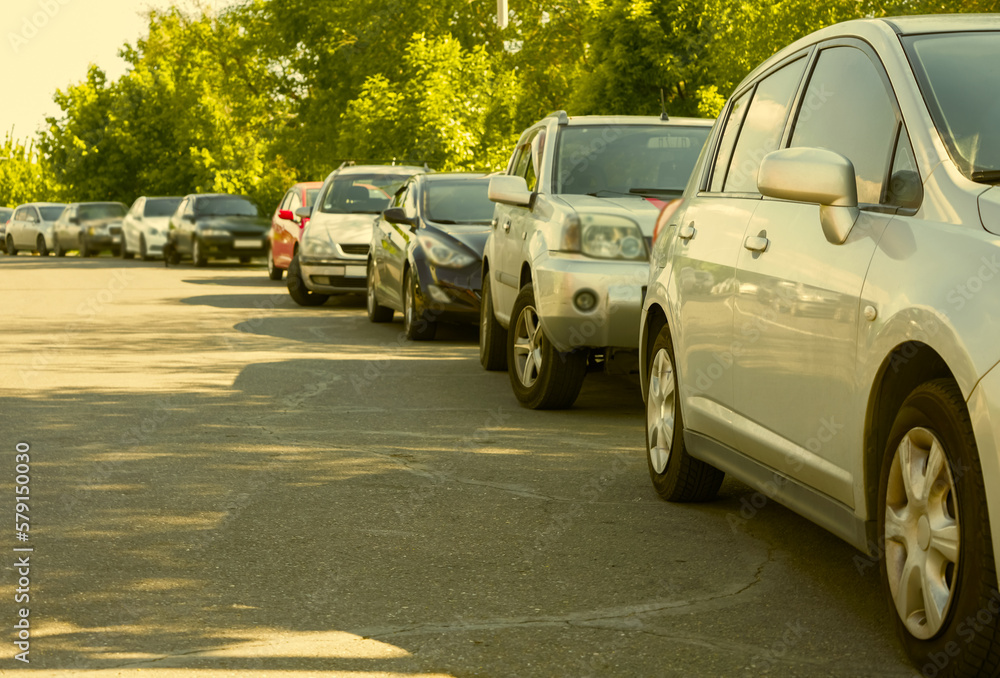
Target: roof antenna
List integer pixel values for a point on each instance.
(663, 107)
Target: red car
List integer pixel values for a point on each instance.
(286, 227)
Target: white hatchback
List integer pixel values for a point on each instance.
(31, 227)
(145, 227)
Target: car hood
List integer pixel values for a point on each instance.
(343, 228)
(234, 223)
(473, 237)
(641, 209)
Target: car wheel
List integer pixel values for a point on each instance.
(123, 249)
(676, 475)
(41, 247)
(143, 254)
(84, 249)
(244, 260)
(196, 253)
(376, 312)
(937, 568)
(415, 323)
(116, 251)
(11, 250)
(273, 272)
(542, 377)
(492, 335)
(297, 289)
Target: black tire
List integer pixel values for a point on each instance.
(196, 254)
(492, 335)
(123, 249)
(43, 250)
(59, 251)
(170, 254)
(964, 641)
(377, 313)
(244, 260)
(676, 475)
(553, 385)
(11, 250)
(273, 272)
(84, 249)
(143, 254)
(116, 251)
(297, 289)
(416, 323)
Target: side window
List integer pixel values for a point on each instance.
(535, 165)
(137, 208)
(410, 201)
(736, 114)
(400, 196)
(846, 109)
(525, 163)
(189, 207)
(762, 126)
(294, 202)
(286, 204)
(33, 215)
(905, 188)
(19, 215)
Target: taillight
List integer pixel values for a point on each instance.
(665, 214)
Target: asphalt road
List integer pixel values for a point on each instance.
(224, 483)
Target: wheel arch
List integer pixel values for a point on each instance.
(525, 276)
(906, 367)
(654, 321)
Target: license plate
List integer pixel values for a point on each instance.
(355, 271)
(254, 244)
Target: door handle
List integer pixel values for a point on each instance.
(494, 224)
(756, 243)
(506, 226)
(687, 232)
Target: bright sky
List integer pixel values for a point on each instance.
(46, 45)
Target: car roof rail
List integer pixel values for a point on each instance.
(560, 115)
(346, 163)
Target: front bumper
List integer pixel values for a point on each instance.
(335, 276)
(617, 287)
(229, 247)
(102, 241)
(450, 294)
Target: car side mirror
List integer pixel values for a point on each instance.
(74, 220)
(814, 175)
(286, 215)
(396, 215)
(304, 212)
(188, 217)
(510, 190)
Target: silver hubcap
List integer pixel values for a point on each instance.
(528, 346)
(409, 303)
(922, 542)
(371, 291)
(661, 406)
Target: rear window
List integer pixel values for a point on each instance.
(227, 205)
(311, 194)
(108, 210)
(160, 207)
(52, 212)
(462, 201)
(361, 193)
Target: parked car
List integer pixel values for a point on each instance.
(286, 226)
(427, 250)
(145, 227)
(566, 262)
(90, 228)
(852, 175)
(5, 214)
(332, 257)
(31, 227)
(216, 226)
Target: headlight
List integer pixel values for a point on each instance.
(214, 232)
(443, 254)
(317, 244)
(605, 236)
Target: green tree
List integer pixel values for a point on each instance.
(24, 174)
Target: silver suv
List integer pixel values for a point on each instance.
(332, 257)
(566, 262)
(823, 310)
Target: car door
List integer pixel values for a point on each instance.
(285, 232)
(16, 225)
(397, 242)
(33, 226)
(795, 383)
(709, 240)
(130, 225)
(186, 227)
(513, 223)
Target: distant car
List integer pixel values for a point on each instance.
(427, 252)
(5, 215)
(145, 227)
(90, 228)
(286, 226)
(31, 227)
(216, 226)
(565, 266)
(332, 257)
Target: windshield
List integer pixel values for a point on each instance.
(51, 212)
(361, 193)
(105, 210)
(311, 194)
(225, 205)
(461, 201)
(160, 207)
(961, 90)
(608, 160)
